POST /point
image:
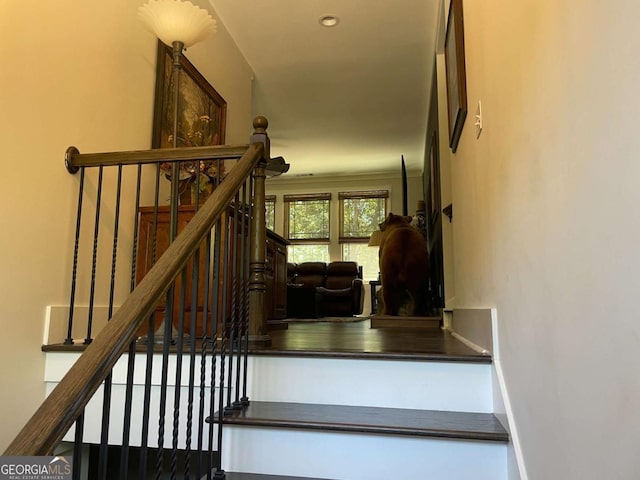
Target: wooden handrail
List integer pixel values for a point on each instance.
(73, 159)
(66, 402)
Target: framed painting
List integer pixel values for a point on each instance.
(202, 112)
(434, 180)
(456, 74)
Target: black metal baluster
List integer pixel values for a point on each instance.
(242, 282)
(128, 400)
(168, 322)
(195, 290)
(96, 230)
(178, 383)
(233, 256)
(223, 337)
(74, 275)
(136, 225)
(106, 401)
(203, 355)
(245, 397)
(114, 251)
(104, 432)
(215, 318)
(77, 447)
(146, 415)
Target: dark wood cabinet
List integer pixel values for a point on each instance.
(153, 240)
(276, 276)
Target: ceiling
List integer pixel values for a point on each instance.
(349, 99)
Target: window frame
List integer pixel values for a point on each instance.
(356, 195)
(270, 199)
(344, 240)
(306, 197)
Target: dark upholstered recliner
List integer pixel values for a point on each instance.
(316, 289)
(343, 291)
(310, 274)
(302, 280)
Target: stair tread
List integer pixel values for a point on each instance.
(393, 421)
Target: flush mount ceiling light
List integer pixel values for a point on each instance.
(329, 21)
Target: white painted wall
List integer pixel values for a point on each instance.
(546, 226)
(73, 73)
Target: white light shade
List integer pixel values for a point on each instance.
(375, 239)
(175, 20)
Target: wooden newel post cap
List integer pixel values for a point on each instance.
(260, 124)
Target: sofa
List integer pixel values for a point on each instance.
(318, 289)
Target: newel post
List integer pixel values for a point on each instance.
(257, 287)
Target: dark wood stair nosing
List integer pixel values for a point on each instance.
(371, 420)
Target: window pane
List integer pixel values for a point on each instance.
(308, 219)
(363, 255)
(270, 218)
(308, 253)
(362, 215)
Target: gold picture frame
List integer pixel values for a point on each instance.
(202, 112)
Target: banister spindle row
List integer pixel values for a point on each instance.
(183, 337)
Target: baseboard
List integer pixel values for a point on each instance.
(469, 343)
(474, 326)
(57, 321)
(478, 329)
(520, 471)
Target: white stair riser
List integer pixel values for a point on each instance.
(350, 456)
(375, 383)
(379, 383)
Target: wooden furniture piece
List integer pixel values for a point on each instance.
(276, 276)
(375, 286)
(275, 267)
(153, 240)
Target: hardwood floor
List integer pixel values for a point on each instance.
(358, 339)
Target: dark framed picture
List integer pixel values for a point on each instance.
(456, 74)
(202, 112)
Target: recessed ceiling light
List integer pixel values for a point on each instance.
(329, 21)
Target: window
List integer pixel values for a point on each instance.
(270, 207)
(307, 226)
(307, 217)
(308, 253)
(360, 214)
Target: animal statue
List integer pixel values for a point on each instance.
(404, 267)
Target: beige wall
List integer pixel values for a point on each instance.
(546, 225)
(73, 73)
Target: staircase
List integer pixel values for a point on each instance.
(357, 419)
